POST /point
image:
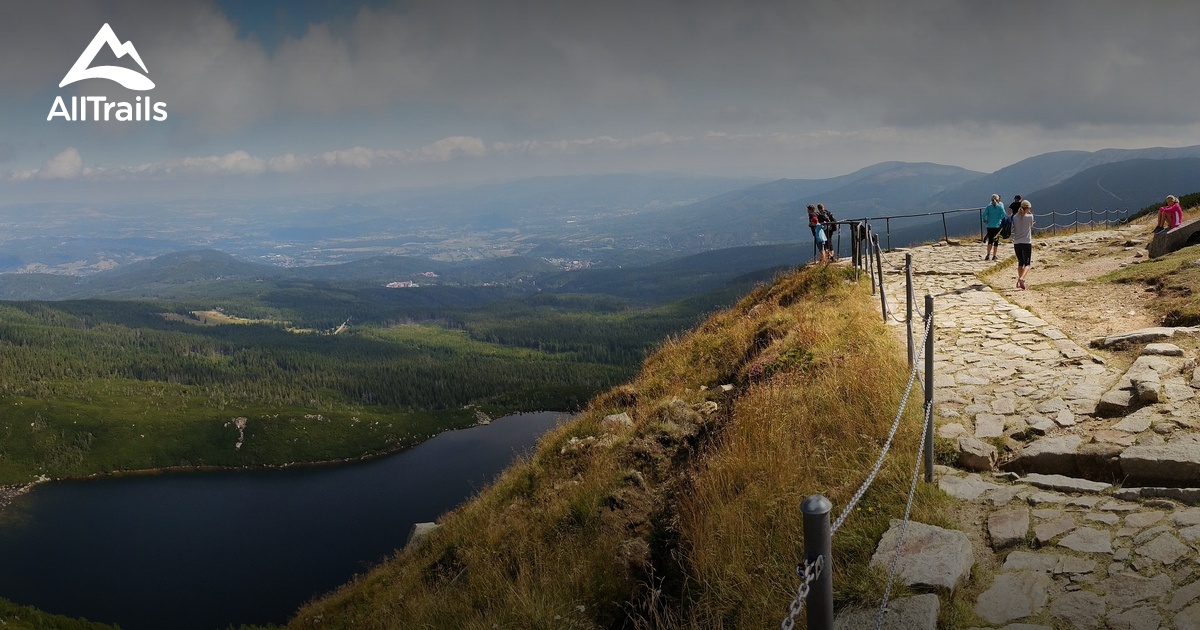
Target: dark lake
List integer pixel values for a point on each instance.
(206, 550)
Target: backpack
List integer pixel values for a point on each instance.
(1006, 227)
(829, 221)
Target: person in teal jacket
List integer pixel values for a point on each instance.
(993, 216)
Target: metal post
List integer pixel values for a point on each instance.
(1076, 220)
(871, 256)
(981, 226)
(929, 388)
(945, 230)
(887, 225)
(818, 543)
(908, 299)
(879, 266)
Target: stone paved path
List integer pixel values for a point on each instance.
(1069, 552)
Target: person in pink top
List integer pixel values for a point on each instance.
(1170, 215)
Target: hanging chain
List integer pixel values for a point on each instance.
(808, 572)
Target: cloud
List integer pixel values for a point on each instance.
(65, 165)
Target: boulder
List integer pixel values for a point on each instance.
(1177, 461)
(1167, 241)
(976, 455)
(1099, 461)
(1053, 456)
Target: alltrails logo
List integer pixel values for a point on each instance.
(101, 109)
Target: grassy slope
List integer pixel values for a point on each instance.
(690, 517)
(15, 617)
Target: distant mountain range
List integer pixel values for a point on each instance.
(532, 228)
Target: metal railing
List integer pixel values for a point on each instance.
(1106, 217)
(816, 572)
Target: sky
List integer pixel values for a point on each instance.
(267, 97)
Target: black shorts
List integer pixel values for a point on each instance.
(1024, 253)
(993, 236)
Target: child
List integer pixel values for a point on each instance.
(1170, 215)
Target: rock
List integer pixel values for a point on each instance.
(1142, 618)
(1051, 406)
(1127, 589)
(1136, 422)
(951, 431)
(1144, 519)
(420, 531)
(1065, 484)
(1188, 619)
(1008, 527)
(930, 556)
(1030, 561)
(1166, 549)
(966, 488)
(1088, 540)
(616, 423)
(1054, 455)
(1190, 496)
(1083, 610)
(1014, 596)
(989, 425)
(909, 613)
(1184, 596)
(1175, 461)
(1145, 335)
(976, 455)
(1099, 461)
(1065, 418)
(1050, 530)
(1115, 402)
(1039, 425)
(1163, 349)
(1147, 391)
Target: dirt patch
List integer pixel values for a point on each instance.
(1063, 289)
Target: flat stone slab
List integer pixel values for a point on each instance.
(1014, 596)
(1088, 540)
(909, 613)
(1127, 589)
(1008, 526)
(1065, 484)
(1145, 335)
(989, 425)
(966, 488)
(1163, 349)
(1165, 548)
(929, 557)
(1083, 610)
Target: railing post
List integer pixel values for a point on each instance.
(871, 255)
(887, 225)
(945, 229)
(879, 266)
(1076, 220)
(818, 543)
(928, 388)
(981, 226)
(908, 299)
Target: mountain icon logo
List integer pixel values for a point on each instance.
(126, 77)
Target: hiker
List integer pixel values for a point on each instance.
(830, 225)
(993, 216)
(1170, 215)
(818, 232)
(1015, 206)
(1022, 238)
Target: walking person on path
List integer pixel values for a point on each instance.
(1022, 237)
(993, 216)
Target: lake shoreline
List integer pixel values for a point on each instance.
(11, 492)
